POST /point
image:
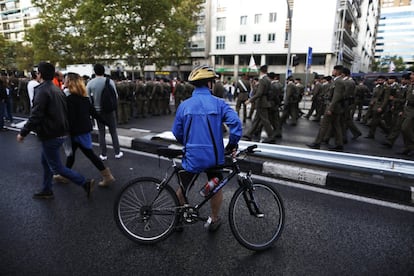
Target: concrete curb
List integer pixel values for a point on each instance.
(348, 182)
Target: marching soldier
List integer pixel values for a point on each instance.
(407, 127)
(179, 93)
(275, 94)
(262, 108)
(243, 89)
(317, 90)
(333, 113)
(398, 108)
(188, 90)
(362, 91)
(290, 102)
(349, 107)
(141, 99)
(122, 89)
(379, 103)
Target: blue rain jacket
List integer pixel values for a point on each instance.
(198, 126)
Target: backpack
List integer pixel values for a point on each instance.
(109, 101)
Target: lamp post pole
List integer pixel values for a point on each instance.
(289, 13)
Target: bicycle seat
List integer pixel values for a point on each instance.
(169, 153)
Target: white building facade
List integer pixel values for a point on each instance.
(15, 17)
(338, 31)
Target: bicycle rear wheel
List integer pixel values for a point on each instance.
(144, 213)
(256, 216)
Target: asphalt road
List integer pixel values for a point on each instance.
(324, 234)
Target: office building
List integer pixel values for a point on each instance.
(396, 34)
(339, 32)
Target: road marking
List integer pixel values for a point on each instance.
(140, 130)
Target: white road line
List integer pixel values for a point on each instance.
(140, 130)
(305, 187)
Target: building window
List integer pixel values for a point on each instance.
(256, 38)
(221, 23)
(242, 39)
(271, 37)
(243, 20)
(220, 42)
(257, 18)
(272, 17)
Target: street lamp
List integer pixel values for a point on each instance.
(289, 14)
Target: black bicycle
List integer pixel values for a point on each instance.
(147, 209)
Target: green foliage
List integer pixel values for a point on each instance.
(383, 65)
(141, 31)
(7, 54)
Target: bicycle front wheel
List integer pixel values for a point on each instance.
(144, 213)
(256, 216)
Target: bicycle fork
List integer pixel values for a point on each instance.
(248, 195)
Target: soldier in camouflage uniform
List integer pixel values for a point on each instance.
(397, 108)
(390, 117)
(274, 98)
(407, 127)
(179, 93)
(243, 90)
(165, 97)
(349, 107)
(290, 105)
(379, 103)
(188, 90)
(156, 97)
(122, 88)
(141, 99)
(149, 88)
(361, 92)
(316, 92)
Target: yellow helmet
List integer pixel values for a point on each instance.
(202, 72)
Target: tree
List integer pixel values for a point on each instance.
(7, 54)
(97, 30)
(383, 65)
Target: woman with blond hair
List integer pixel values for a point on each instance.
(80, 111)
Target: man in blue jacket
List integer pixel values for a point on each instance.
(198, 126)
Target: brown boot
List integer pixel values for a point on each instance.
(60, 179)
(107, 178)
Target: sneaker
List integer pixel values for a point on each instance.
(60, 179)
(43, 195)
(214, 225)
(89, 185)
(103, 157)
(119, 155)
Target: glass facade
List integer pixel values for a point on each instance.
(396, 34)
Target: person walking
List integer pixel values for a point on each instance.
(49, 119)
(407, 127)
(198, 127)
(262, 108)
(333, 113)
(3, 99)
(80, 110)
(243, 90)
(95, 87)
(379, 102)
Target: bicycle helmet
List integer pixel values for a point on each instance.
(202, 72)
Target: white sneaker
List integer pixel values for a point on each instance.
(103, 157)
(119, 155)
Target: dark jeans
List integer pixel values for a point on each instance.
(52, 164)
(110, 118)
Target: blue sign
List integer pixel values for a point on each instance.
(309, 62)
